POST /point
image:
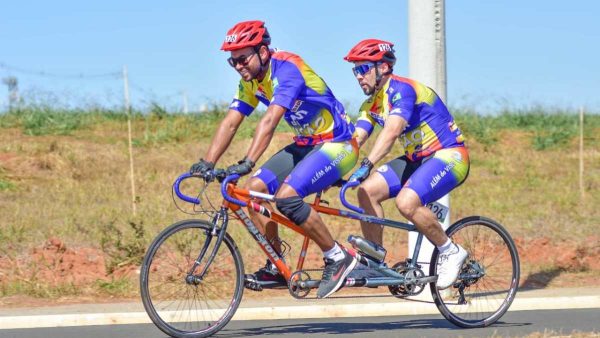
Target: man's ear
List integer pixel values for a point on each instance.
(385, 68)
(263, 51)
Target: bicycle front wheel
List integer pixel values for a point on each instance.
(489, 278)
(180, 301)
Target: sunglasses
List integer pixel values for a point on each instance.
(363, 69)
(242, 60)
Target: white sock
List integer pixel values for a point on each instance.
(445, 247)
(334, 253)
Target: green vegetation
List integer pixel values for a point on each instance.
(6, 184)
(549, 128)
(123, 249)
(116, 286)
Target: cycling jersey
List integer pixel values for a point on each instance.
(312, 111)
(430, 125)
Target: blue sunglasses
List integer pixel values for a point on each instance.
(363, 69)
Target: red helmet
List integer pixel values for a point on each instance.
(372, 50)
(246, 34)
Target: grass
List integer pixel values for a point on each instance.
(65, 174)
(6, 185)
(116, 286)
(39, 289)
(123, 248)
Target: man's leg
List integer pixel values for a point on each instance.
(266, 226)
(338, 262)
(426, 185)
(383, 184)
(371, 193)
(326, 164)
(452, 256)
(312, 224)
(409, 205)
(267, 179)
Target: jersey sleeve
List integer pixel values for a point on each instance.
(403, 102)
(365, 121)
(287, 84)
(244, 100)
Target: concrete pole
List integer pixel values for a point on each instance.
(185, 102)
(427, 64)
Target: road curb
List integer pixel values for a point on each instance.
(308, 310)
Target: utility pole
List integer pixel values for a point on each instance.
(13, 91)
(427, 64)
(185, 102)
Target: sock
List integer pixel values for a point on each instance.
(334, 253)
(446, 246)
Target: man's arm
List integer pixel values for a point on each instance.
(361, 136)
(264, 131)
(394, 125)
(223, 136)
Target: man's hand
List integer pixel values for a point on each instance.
(202, 168)
(242, 168)
(363, 172)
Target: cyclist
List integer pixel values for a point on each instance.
(322, 152)
(435, 159)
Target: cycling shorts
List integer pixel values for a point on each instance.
(308, 169)
(431, 177)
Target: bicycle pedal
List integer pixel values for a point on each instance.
(252, 284)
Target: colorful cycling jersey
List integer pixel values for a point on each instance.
(430, 125)
(312, 110)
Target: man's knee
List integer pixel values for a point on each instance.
(371, 192)
(257, 185)
(293, 208)
(406, 205)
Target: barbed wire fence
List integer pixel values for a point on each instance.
(145, 96)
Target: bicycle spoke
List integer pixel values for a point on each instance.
(488, 283)
(200, 305)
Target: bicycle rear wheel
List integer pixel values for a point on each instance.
(179, 303)
(489, 278)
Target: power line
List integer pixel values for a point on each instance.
(115, 75)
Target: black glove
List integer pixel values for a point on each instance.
(363, 172)
(242, 168)
(202, 168)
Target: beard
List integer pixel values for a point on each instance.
(368, 90)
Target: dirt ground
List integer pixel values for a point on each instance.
(543, 264)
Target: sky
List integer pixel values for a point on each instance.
(500, 54)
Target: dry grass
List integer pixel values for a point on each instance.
(76, 186)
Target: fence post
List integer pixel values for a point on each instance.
(128, 111)
(581, 186)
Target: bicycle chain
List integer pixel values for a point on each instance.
(342, 297)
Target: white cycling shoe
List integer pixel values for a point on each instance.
(448, 266)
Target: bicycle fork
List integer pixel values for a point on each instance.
(217, 231)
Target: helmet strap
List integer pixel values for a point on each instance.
(263, 65)
(377, 74)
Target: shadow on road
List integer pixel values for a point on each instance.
(360, 325)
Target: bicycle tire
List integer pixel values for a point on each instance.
(214, 302)
(503, 269)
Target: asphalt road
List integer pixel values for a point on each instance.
(517, 323)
